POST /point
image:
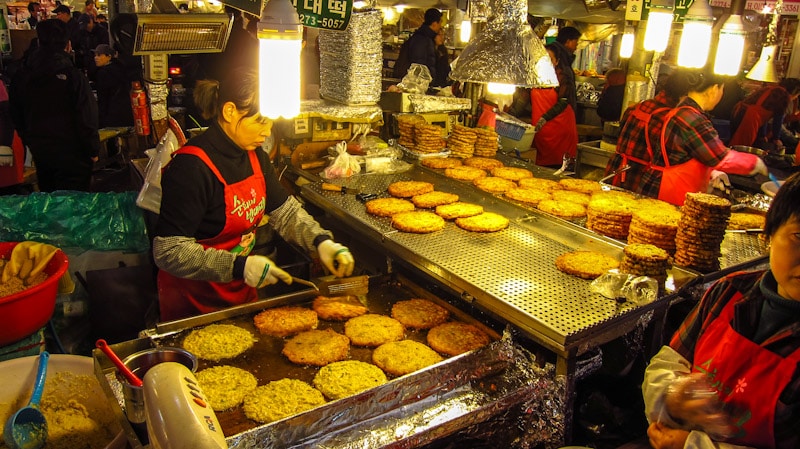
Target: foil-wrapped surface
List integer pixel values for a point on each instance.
(506, 51)
(338, 112)
(351, 60)
(158, 99)
(435, 103)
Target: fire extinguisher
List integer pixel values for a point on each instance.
(141, 112)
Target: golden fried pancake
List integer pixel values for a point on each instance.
(741, 220)
(484, 163)
(454, 338)
(218, 341)
(338, 308)
(281, 398)
(571, 196)
(580, 185)
(585, 264)
(527, 196)
(458, 209)
(225, 386)
(547, 185)
(373, 330)
(433, 199)
(563, 209)
(386, 207)
(407, 189)
(493, 184)
(402, 357)
(512, 173)
(485, 222)
(419, 313)
(419, 222)
(317, 347)
(285, 321)
(346, 378)
(440, 162)
(464, 173)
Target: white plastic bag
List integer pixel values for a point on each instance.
(416, 80)
(344, 165)
(150, 195)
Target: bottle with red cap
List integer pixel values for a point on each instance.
(141, 112)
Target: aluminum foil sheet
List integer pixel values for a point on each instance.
(351, 60)
(158, 99)
(506, 51)
(433, 103)
(338, 112)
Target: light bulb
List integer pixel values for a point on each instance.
(730, 47)
(659, 24)
(279, 42)
(626, 45)
(466, 30)
(501, 89)
(695, 43)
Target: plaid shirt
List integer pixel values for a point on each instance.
(689, 134)
(778, 332)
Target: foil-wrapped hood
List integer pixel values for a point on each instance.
(506, 51)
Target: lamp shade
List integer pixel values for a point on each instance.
(764, 68)
(506, 51)
(730, 47)
(280, 40)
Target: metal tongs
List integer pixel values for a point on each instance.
(333, 286)
(625, 167)
(745, 231)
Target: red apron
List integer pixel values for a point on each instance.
(244, 205)
(676, 180)
(754, 116)
(559, 135)
(747, 377)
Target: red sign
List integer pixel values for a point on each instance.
(790, 8)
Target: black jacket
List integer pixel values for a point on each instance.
(113, 99)
(52, 105)
(421, 49)
(566, 77)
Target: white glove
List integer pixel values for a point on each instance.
(719, 180)
(336, 258)
(260, 271)
(760, 168)
(6, 156)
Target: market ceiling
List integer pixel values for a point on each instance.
(597, 11)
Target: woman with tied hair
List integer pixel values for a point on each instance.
(730, 376)
(672, 151)
(217, 190)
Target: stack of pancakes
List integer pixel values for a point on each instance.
(486, 142)
(642, 259)
(462, 141)
(655, 225)
(701, 230)
(428, 138)
(405, 123)
(610, 215)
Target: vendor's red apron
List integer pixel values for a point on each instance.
(244, 206)
(559, 135)
(754, 116)
(676, 180)
(747, 377)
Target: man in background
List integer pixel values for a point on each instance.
(420, 48)
(35, 10)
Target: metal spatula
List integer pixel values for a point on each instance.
(333, 286)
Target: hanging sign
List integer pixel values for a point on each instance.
(789, 8)
(325, 14)
(681, 6)
(634, 10)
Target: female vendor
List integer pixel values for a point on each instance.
(680, 146)
(730, 378)
(216, 190)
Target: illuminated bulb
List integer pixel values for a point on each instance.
(501, 89)
(280, 41)
(626, 45)
(400, 8)
(466, 30)
(389, 15)
(696, 36)
(659, 24)
(730, 47)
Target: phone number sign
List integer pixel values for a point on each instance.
(326, 14)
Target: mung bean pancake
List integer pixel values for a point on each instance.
(225, 386)
(485, 222)
(281, 398)
(285, 321)
(548, 185)
(218, 341)
(528, 196)
(484, 163)
(563, 209)
(402, 357)
(433, 199)
(440, 162)
(742, 220)
(512, 173)
(580, 185)
(418, 222)
(346, 378)
(493, 184)
(585, 264)
(407, 189)
(464, 173)
(454, 338)
(338, 308)
(373, 330)
(386, 207)
(458, 209)
(419, 313)
(317, 347)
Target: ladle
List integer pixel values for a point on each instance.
(132, 378)
(27, 428)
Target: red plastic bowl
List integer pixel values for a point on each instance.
(25, 312)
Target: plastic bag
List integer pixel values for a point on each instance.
(626, 287)
(344, 165)
(385, 165)
(416, 80)
(150, 194)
